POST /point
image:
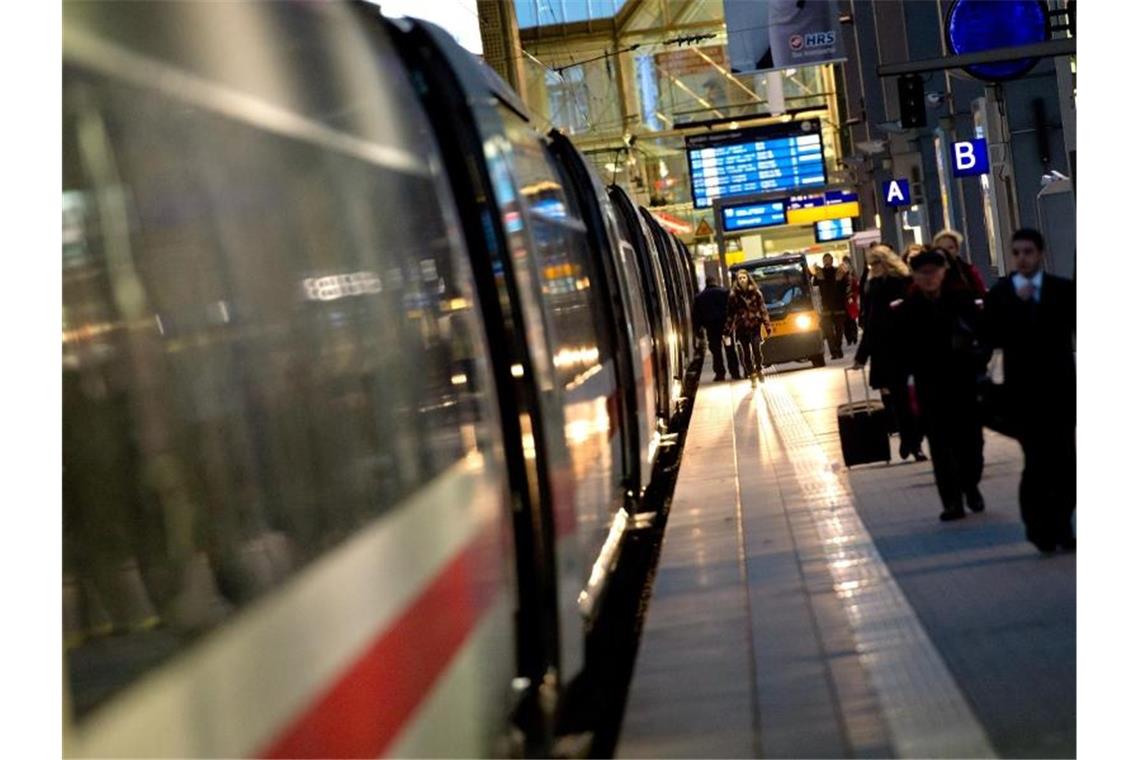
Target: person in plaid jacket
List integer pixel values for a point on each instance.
(747, 314)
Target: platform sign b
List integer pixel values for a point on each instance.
(896, 192)
(971, 158)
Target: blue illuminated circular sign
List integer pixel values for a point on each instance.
(976, 25)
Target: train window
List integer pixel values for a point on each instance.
(269, 343)
(563, 256)
(631, 277)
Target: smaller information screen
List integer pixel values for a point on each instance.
(833, 204)
(753, 215)
(834, 229)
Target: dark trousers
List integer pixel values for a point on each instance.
(832, 325)
(749, 344)
(716, 348)
(955, 435)
(851, 330)
(1048, 491)
(896, 398)
(718, 351)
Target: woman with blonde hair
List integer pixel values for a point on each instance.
(961, 273)
(888, 283)
(746, 315)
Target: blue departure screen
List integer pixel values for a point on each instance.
(833, 229)
(753, 215)
(756, 160)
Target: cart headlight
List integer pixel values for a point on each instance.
(803, 322)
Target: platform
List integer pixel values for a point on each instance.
(801, 609)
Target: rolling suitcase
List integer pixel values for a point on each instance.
(863, 427)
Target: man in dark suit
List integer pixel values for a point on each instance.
(832, 284)
(709, 311)
(1032, 317)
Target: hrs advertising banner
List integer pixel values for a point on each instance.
(777, 34)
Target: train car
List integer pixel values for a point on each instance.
(631, 325)
(363, 377)
(637, 233)
(662, 252)
(287, 520)
(522, 215)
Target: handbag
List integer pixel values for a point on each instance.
(994, 402)
(996, 409)
(912, 398)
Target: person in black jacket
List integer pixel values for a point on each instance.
(832, 286)
(1032, 316)
(888, 284)
(961, 272)
(936, 334)
(710, 308)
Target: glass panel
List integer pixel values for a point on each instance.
(533, 13)
(569, 99)
(576, 97)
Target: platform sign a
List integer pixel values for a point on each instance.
(971, 158)
(896, 192)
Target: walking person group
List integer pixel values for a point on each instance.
(930, 329)
(930, 320)
(732, 321)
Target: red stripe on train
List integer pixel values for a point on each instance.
(372, 700)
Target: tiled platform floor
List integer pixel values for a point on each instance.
(804, 610)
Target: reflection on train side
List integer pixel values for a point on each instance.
(343, 419)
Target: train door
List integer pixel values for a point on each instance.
(685, 288)
(585, 378)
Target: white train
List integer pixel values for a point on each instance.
(364, 378)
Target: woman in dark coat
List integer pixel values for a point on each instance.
(888, 284)
(936, 331)
(746, 315)
(961, 273)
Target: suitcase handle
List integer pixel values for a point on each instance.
(847, 383)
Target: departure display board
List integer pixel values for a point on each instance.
(755, 160)
(833, 204)
(750, 216)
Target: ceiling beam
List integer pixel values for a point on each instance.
(1051, 48)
